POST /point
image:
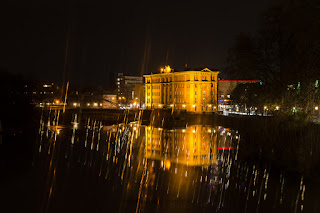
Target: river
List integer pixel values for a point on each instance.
(129, 167)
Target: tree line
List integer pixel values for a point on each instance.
(284, 54)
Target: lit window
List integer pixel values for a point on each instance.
(222, 96)
(195, 100)
(228, 96)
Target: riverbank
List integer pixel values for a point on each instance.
(289, 142)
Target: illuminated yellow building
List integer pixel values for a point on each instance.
(194, 146)
(194, 91)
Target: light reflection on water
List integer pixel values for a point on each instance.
(145, 168)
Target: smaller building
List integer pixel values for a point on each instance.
(225, 89)
(109, 102)
(130, 91)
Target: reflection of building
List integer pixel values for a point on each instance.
(194, 146)
(194, 91)
(130, 89)
(225, 88)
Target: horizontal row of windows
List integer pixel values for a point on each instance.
(180, 78)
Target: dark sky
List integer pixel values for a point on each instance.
(106, 36)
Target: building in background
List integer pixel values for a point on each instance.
(225, 89)
(193, 91)
(42, 94)
(130, 91)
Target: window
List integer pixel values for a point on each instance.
(228, 96)
(195, 100)
(222, 96)
(195, 92)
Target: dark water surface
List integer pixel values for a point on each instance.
(90, 167)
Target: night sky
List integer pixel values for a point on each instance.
(110, 37)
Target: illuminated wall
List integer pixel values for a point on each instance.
(195, 146)
(194, 91)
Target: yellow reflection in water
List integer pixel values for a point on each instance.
(195, 145)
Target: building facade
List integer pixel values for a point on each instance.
(130, 90)
(193, 91)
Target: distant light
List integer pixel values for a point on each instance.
(193, 105)
(193, 131)
(57, 101)
(265, 107)
(100, 104)
(210, 105)
(95, 104)
(171, 105)
(316, 108)
(209, 130)
(277, 107)
(75, 104)
(88, 104)
(183, 105)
